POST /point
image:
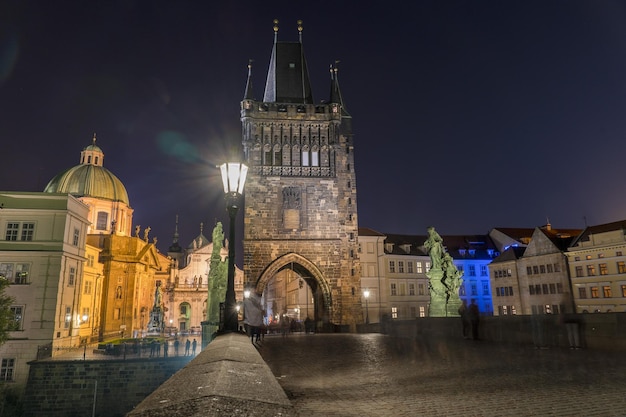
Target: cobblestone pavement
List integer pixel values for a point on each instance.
(376, 375)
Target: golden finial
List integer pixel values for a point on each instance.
(275, 25)
(94, 138)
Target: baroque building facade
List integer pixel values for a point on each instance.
(301, 196)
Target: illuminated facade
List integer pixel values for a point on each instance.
(597, 267)
(42, 254)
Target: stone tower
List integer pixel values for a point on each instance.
(300, 196)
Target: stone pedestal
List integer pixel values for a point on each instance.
(437, 307)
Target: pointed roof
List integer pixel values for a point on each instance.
(288, 75)
(175, 247)
(335, 91)
(249, 93)
(200, 240)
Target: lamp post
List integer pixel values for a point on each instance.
(366, 294)
(233, 178)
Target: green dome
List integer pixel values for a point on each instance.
(89, 179)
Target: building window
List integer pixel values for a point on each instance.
(420, 289)
(102, 220)
(422, 311)
(591, 270)
(472, 270)
(87, 287)
(409, 266)
(550, 269)
(535, 269)
(474, 289)
(531, 289)
(90, 260)
(72, 276)
(604, 270)
(411, 288)
(618, 253)
(529, 270)
(552, 288)
(419, 267)
(600, 255)
(427, 266)
(392, 266)
(394, 312)
(12, 231)
(606, 291)
(401, 267)
(483, 271)
(621, 267)
(594, 292)
(557, 268)
(582, 292)
(537, 289)
(542, 269)
(623, 290)
(544, 288)
(68, 317)
(394, 291)
(24, 230)
(16, 318)
(7, 368)
(485, 288)
(579, 271)
(76, 237)
(588, 257)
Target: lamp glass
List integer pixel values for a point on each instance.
(233, 177)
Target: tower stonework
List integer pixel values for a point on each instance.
(300, 195)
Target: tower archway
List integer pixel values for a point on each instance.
(307, 272)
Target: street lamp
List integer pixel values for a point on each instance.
(233, 178)
(366, 294)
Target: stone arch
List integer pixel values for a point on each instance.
(306, 269)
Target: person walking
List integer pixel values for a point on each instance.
(176, 344)
(166, 347)
(464, 313)
(474, 317)
(187, 345)
(193, 347)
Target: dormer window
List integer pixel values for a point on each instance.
(462, 252)
(472, 252)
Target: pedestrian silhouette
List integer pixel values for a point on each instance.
(187, 345)
(464, 313)
(474, 317)
(176, 343)
(165, 348)
(193, 347)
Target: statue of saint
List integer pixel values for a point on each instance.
(434, 246)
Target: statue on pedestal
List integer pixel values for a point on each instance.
(444, 279)
(156, 323)
(217, 280)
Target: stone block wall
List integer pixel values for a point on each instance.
(603, 331)
(68, 388)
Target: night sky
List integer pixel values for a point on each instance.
(467, 115)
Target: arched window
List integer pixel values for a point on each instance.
(305, 156)
(102, 220)
(315, 157)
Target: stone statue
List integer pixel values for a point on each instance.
(434, 246)
(444, 278)
(137, 228)
(217, 279)
(156, 323)
(145, 233)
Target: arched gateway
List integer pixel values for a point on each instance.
(300, 197)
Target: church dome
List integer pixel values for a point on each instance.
(89, 179)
